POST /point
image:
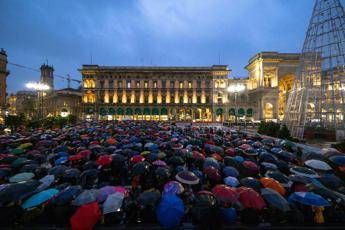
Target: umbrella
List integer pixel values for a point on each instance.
(230, 171)
(249, 198)
(17, 151)
(210, 161)
(141, 168)
(337, 160)
(105, 191)
(308, 198)
(280, 177)
(331, 181)
(251, 182)
(250, 167)
(318, 165)
(173, 187)
(231, 181)
(176, 160)
(203, 210)
(213, 174)
(274, 199)
(187, 177)
(86, 216)
(304, 172)
(113, 203)
(136, 159)
(170, 211)
(104, 160)
(225, 194)
(20, 177)
(66, 195)
(87, 196)
(39, 198)
(159, 163)
(229, 215)
(18, 191)
(149, 198)
(61, 160)
(25, 146)
(300, 179)
(272, 184)
(46, 181)
(245, 146)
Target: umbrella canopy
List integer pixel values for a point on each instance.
(66, 195)
(20, 177)
(46, 181)
(39, 198)
(159, 163)
(251, 182)
(86, 197)
(225, 195)
(230, 171)
(308, 198)
(272, 184)
(249, 198)
(273, 198)
(187, 177)
(250, 167)
(105, 191)
(170, 211)
(173, 187)
(136, 159)
(337, 160)
(113, 203)
(306, 172)
(231, 181)
(149, 198)
(104, 160)
(86, 216)
(18, 191)
(318, 165)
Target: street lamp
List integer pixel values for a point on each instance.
(236, 88)
(40, 88)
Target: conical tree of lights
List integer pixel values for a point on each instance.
(317, 100)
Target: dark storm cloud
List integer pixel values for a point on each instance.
(146, 32)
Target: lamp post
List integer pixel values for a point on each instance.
(40, 88)
(236, 88)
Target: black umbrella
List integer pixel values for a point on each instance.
(300, 179)
(331, 181)
(278, 176)
(274, 199)
(251, 182)
(149, 198)
(205, 211)
(141, 168)
(58, 171)
(66, 195)
(176, 160)
(18, 191)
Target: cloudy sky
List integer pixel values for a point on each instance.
(68, 33)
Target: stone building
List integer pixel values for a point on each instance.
(23, 102)
(3, 76)
(270, 78)
(155, 93)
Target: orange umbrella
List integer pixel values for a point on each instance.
(111, 141)
(273, 184)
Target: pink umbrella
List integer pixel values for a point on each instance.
(245, 146)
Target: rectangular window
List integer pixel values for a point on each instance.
(146, 99)
(164, 83)
(190, 85)
(181, 85)
(155, 84)
(190, 100)
(137, 99)
(120, 84)
(172, 99)
(102, 84)
(199, 84)
(128, 84)
(181, 100)
(138, 84)
(198, 99)
(172, 85)
(111, 83)
(146, 84)
(154, 100)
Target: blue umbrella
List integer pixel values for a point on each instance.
(230, 171)
(229, 215)
(61, 160)
(239, 159)
(308, 198)
(274, 199)
(39, 198)
(210, 161)
(338, 160)
(170, 211)
(231, 181)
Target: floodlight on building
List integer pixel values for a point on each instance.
(37, 86)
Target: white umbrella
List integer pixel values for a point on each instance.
(318, 165)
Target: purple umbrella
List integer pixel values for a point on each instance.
(173, 187)
(159, 163)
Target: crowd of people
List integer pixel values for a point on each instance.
(148, 173)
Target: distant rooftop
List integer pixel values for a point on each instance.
(275, 55)
(156, 68)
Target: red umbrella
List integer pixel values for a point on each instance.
(76, 157)
(94, 143)
(213, 174)
(249, 198)
(136, 159)
(225, 194)
(230, 152)
(85, 153)
(86, 217)
(198, 156)
(104, 160)
(217, 156)
(251, 167)
(245, 146)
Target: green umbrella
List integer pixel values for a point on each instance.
(17, 151)
(20, 177)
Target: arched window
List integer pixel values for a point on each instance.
(268, 111)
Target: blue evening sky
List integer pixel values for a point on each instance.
(146, 32)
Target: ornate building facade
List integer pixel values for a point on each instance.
(198, 94)
(155, 93)
(3, 76)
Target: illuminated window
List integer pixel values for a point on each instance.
(128, 84)
(268, 110)
(190, 100)
(120, 84)
(172, 84)
(146, 84)
(190, 85)
(155, 84)
(181, 85)
(138, 84)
